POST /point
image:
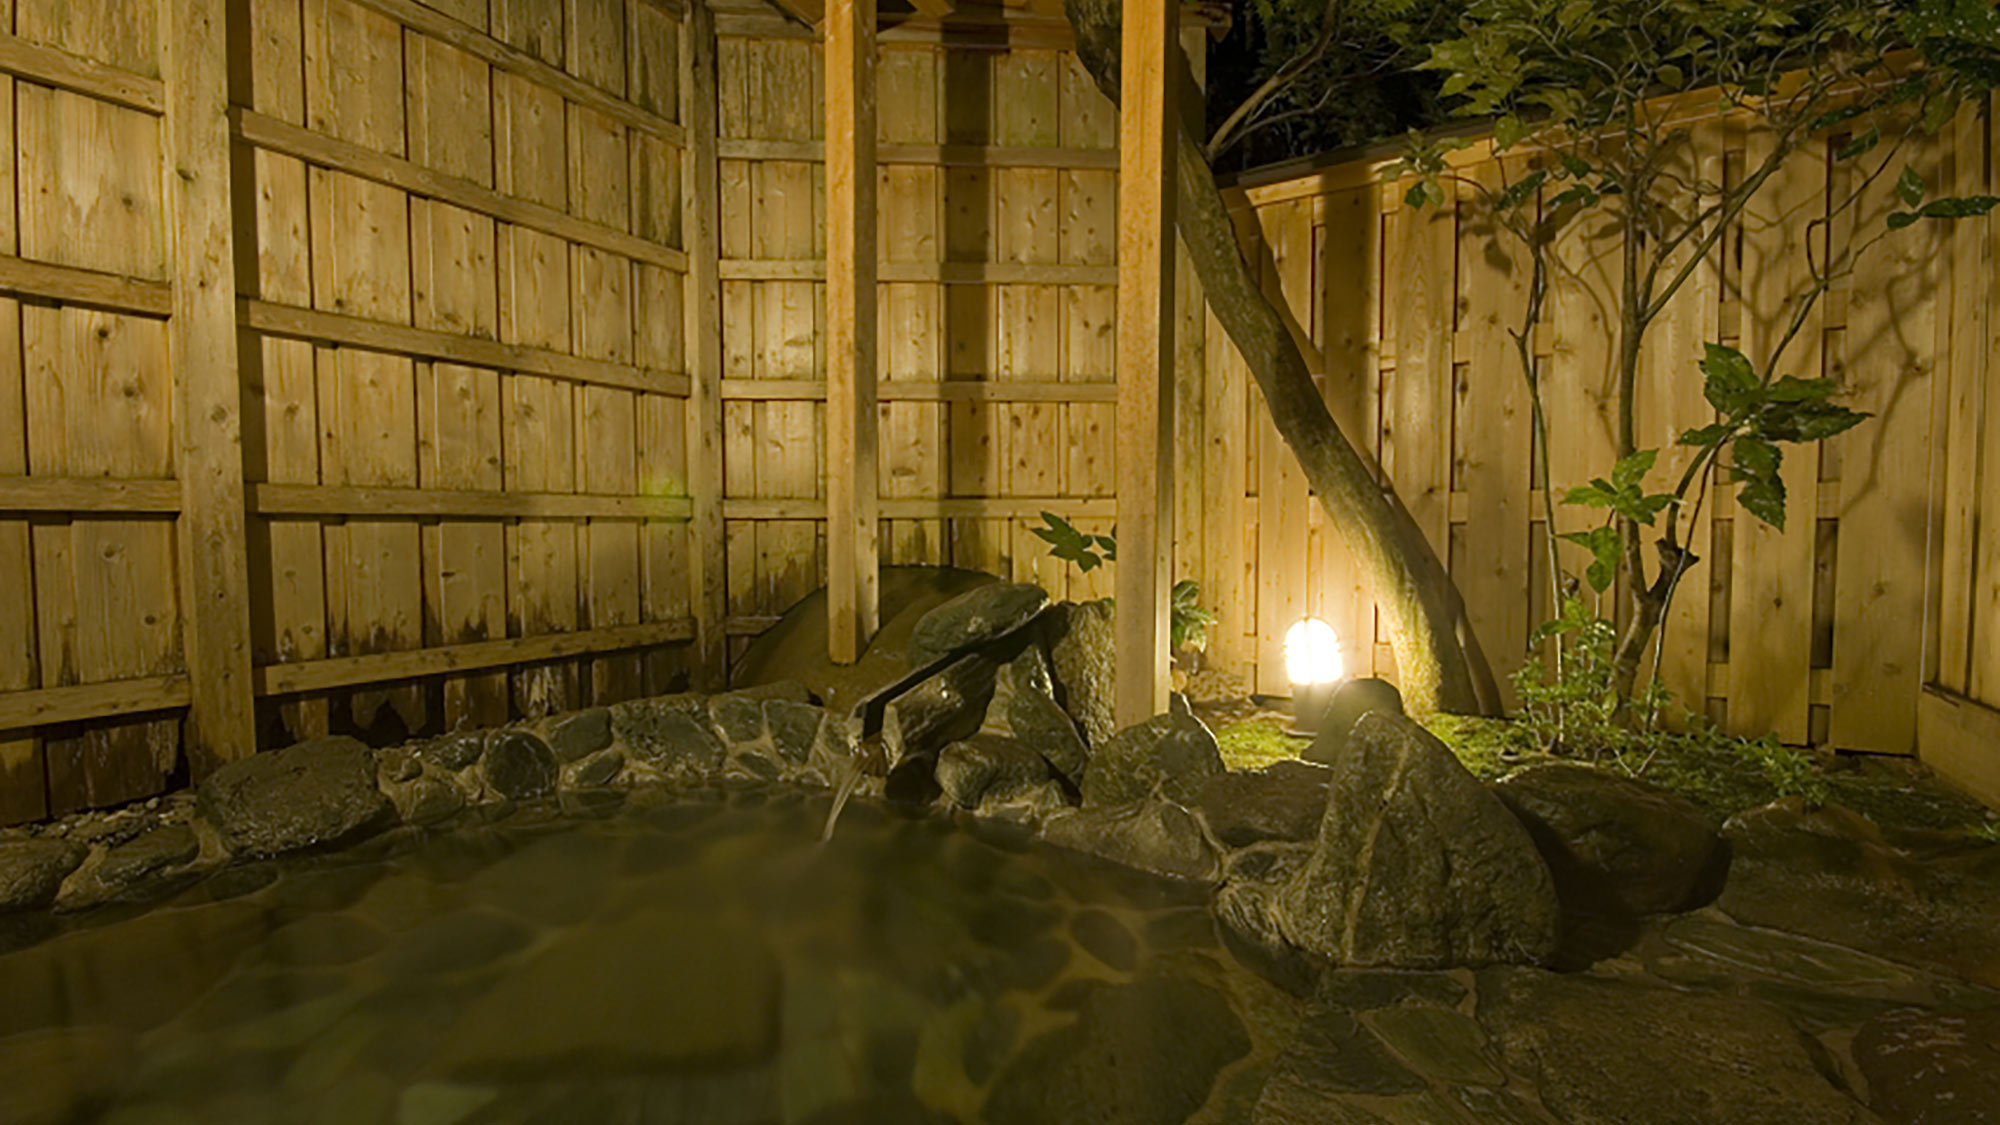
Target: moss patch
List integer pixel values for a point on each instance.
(1256, 743)
(1723, 776)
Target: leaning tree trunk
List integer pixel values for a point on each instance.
(1440, 662)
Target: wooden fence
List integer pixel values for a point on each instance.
(452, 343)
(523, 343)
(1887, 576)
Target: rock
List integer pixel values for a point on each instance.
(1932, 1068)
(580, 734)
(1351, 700)
(1171, 756)
(943, 709)
(1083, 663)
(988, 767)
(1145, 1053)
(973, 618)
(599, 771)
(1024, 707)
(794, 728)
(519, 765)
(1830, 873)
(33, 868)
(1283, 801)
(1156, 836)
(1250, 906)
(598, 1002)
(317, 792)
(164, 846)
(1612, 842)
(670, 733)
(1604, 1051)
(428, 800)
(454, 751)
(398, 765)
(1417, 865)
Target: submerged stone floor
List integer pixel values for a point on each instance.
(700, 957)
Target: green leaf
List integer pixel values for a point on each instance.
(1756, 458)
(1900, 219)
(1791, 388)
(1597, 494)
(1764, 499)
(1520, 190)
(1806, 421)
(1434, 192)
(1575, 165)
(1415, 196)
(1110, 546)
(1602, 543)
(1962, 207)
(1629, 471)
(1732, 383)
(1843, 114)
(1708, 435)
(1910, 187)
(1508, 131)
(1860, 144)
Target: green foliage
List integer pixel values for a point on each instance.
(1189, 621)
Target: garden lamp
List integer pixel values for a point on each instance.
(1313, 664)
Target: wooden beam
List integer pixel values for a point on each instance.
(707, 564)
(24, 710)
(23, 277)
(1960, 739)
(80, 494)
(416, 663)
(930, 508)
(1146, 135)
(458, 504)
(208, 423)
(969, 390)
(851, 417)
(53, 67)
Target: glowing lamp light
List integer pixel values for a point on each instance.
(1313, 664)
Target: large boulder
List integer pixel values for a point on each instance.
(1831, 873)
(987, 768)
(946, 708)
(1024, 708)
(33, 868)
(1417, 865)
(1157, 836)
(1285, 800)
(1083, 655)
(973, 618)
(1605, 1052)
(671, 733)
(1613, 843)
(317, 792)
(1171, 756)
(1932, 1068)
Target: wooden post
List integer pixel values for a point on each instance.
(214, 574)
(1146, 145)
(850, 328)
(703, 302)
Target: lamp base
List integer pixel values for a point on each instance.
(1309, 703)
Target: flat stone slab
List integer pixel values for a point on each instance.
(312, 793)
(32, 868)
(974, 618)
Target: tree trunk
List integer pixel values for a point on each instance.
(1440, 662)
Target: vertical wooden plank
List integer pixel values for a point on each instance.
(1348, 265)
(1984, 675)
(1890, 368)
(1771, 579)
(465, 575)
(77, 208)
(1284, 504)
(1968, 367)
(1226, 472)
(23, 785)
(1146, 144)
(1493, 577)
(851, 421)
(706, 559)
(1418, 298)
(208, 404)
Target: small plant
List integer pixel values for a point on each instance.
(1190, 622)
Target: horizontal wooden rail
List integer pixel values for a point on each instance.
(445, 503)
(747, 626)
(329, 152)
(1827, 503)
(1959, 737)
(24, 277)
(41, 706)
(494, 53)
(52, 66)
(89, 495)
(954, 32)
(983, 390)
(416, 663)
(375, 335)
(944, 273)
(967, 156)
(948, 507)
